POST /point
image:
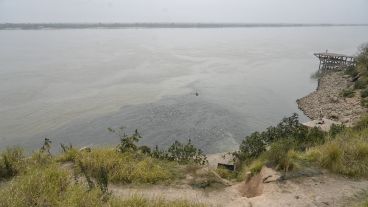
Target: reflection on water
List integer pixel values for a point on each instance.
(72, 84)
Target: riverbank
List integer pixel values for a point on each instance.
(326, 101)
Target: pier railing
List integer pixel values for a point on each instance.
(334, 61)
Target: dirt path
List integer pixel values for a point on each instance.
(321, 190)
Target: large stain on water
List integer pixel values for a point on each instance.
(210, 127)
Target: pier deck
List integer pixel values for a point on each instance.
(334, 61)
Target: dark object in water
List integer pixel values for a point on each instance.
(196, 93)
(226, 166)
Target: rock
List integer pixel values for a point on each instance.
(345, 120)
(334, 115)
(85, 149)
(334, 99)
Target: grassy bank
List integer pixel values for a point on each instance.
(82, 177)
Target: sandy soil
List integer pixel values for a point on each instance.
(320, 190)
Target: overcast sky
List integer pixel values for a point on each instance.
(245, 11)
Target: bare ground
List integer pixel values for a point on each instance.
(322, 190)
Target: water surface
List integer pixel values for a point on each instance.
(71, 85)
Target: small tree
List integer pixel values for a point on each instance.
(127, 142)
(46, 146)
(186, 153)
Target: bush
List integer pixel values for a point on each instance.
(352, 71)
(336, 129)
(127, 142)
(187, 153)
(348, 93)
(364, 93)
(183, 154)
(255, 144)
(364, 102)
(361, 83)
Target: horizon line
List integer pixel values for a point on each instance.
(117, 25)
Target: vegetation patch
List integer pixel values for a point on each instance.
(127, 167)
(347, 93)
(347, 154)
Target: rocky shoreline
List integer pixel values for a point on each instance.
(327, 102)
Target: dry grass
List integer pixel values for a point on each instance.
(139, 201)
(54, 187)
(128, 167)
(347, 154)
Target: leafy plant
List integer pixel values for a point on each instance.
(256, 143)
(127, 142)
(187, 153)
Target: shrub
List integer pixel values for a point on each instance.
(256, 143)
(361, 83)
(364, 102)
(127, 142)
(348, 93)
(251, 147)
(364, 93)
(352, 71)
(336, 129)
(187, 153)
(181, 153)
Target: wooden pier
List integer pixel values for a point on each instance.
(334, 61)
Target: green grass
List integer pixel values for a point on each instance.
(47, 186)
(347, 154)
(11, 162)
(128, 167)
(225, 173)
(54, 187)
(363, 204)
